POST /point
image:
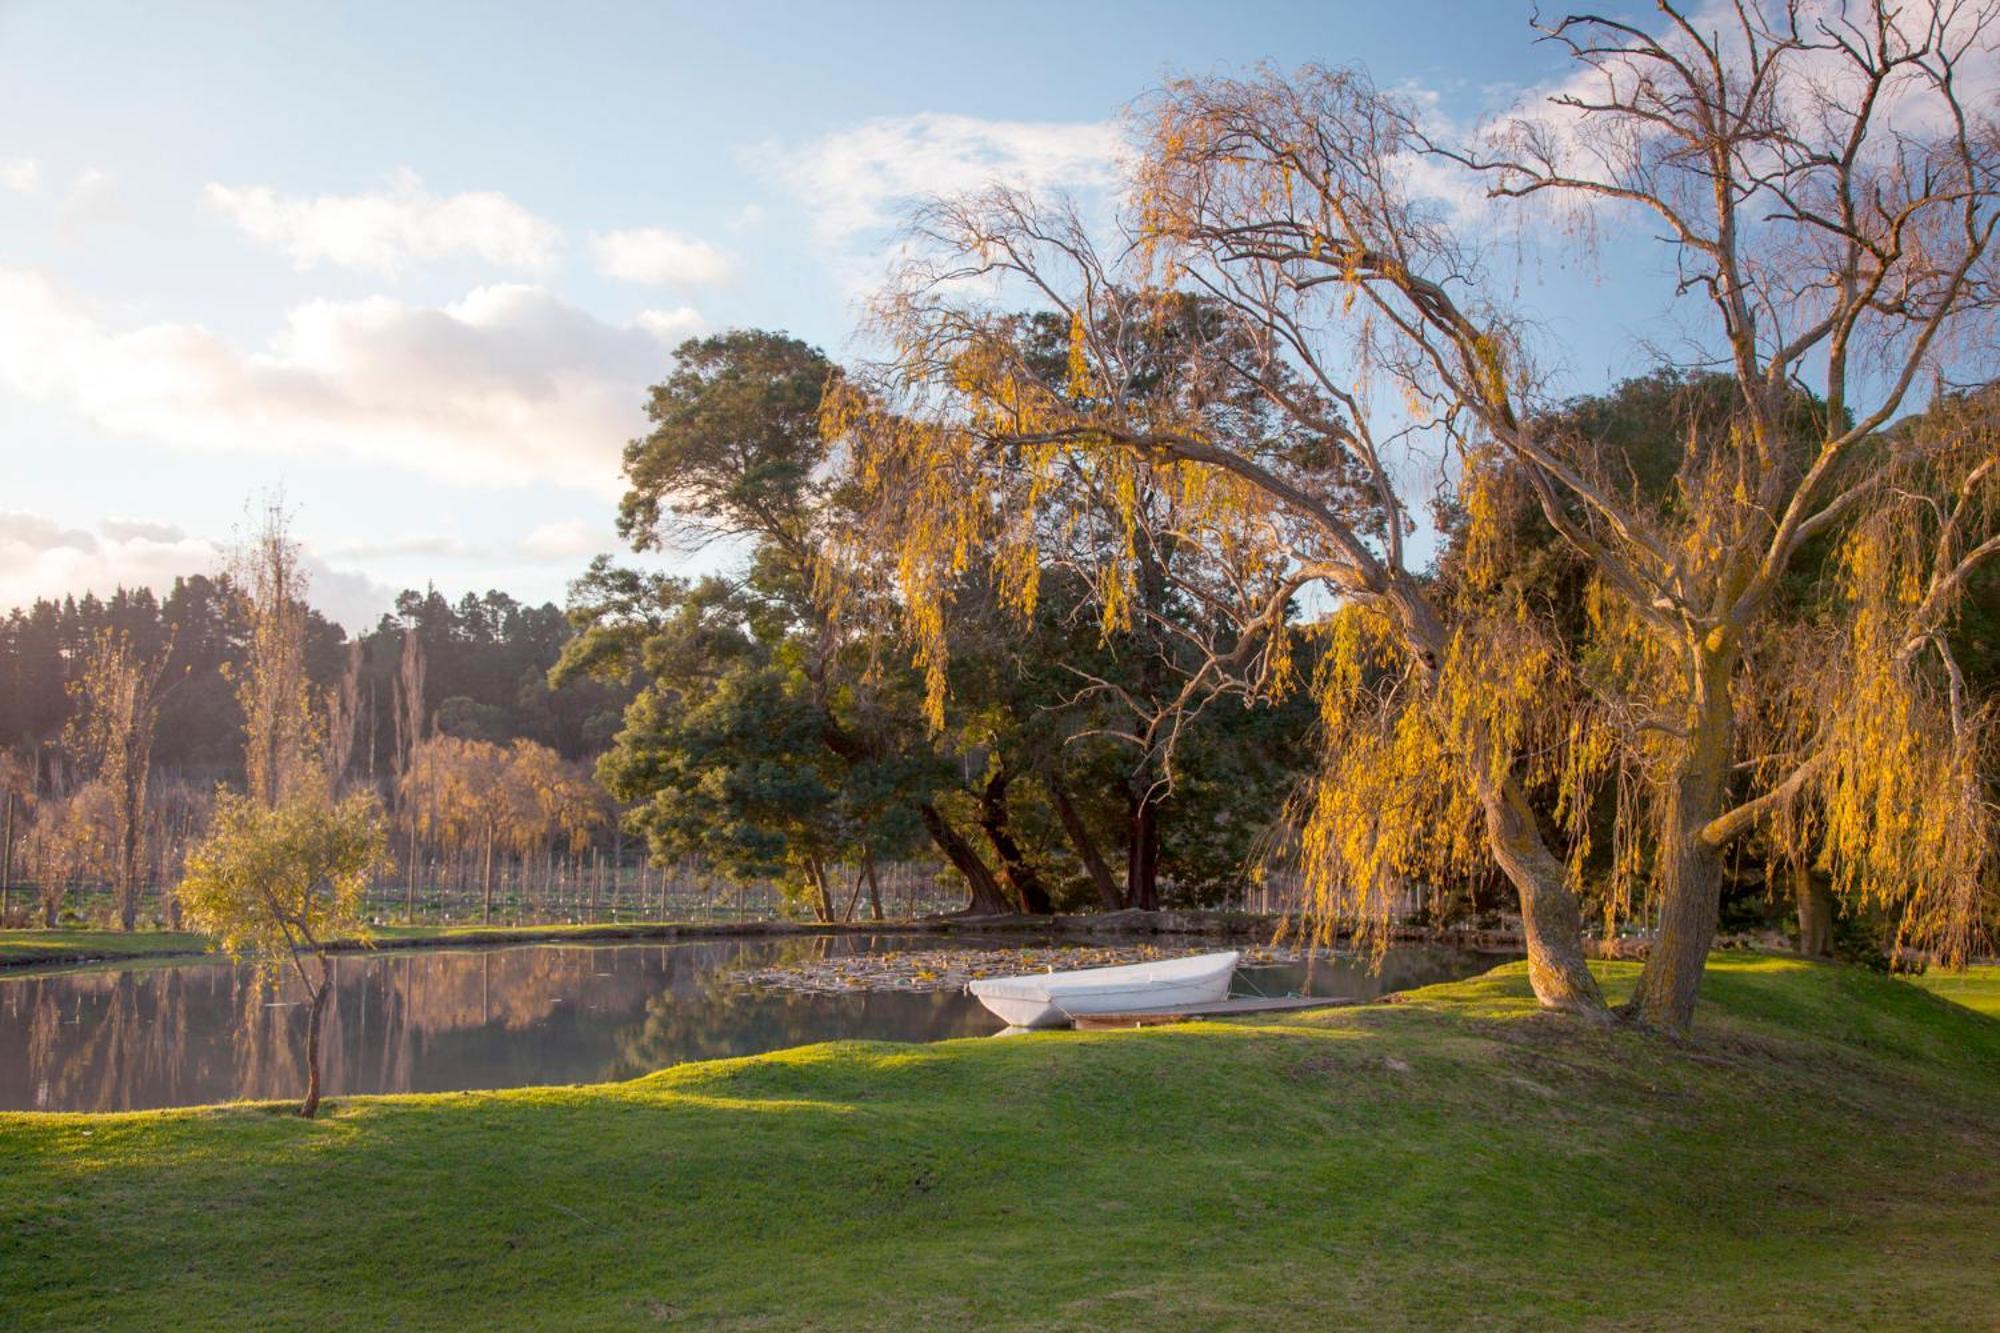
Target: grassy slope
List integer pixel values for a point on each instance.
(1824, 1153)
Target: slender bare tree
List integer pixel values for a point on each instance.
(118, 697)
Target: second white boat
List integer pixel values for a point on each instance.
(1052, 999)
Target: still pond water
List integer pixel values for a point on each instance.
(191, 1033)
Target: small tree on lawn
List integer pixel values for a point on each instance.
(277, 883)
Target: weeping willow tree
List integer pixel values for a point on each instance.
(1373, 324)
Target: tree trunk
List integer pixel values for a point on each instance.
(1108, 896)
(132, 804)
(1690, 868)
(874, 888)
(822, 893)
(310, 1106)
(1142, 851)
(1551, 918)
(1816, 908)
(988, 898)
(486, 881)
(1019, 875)
(7, 862)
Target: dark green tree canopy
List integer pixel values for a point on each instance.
(735, 444)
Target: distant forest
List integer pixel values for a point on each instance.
(487, 662)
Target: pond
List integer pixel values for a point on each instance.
(436, 1020)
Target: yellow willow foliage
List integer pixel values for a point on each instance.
(995, 465)
(1907, 824)
(1395, 802)
(1080, 378)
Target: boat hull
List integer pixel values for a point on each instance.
(1054, 999)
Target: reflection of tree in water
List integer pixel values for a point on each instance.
(425, 1020)
(732, 1021)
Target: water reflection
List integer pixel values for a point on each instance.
(433, 1021)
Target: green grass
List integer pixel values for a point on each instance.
(33, 947)
(1975, 987)
(1826, 1152)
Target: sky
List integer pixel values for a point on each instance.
(415, 264)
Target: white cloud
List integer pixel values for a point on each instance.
(41, 558)
(428, 545)
(565, 541)
(671, 327)
(383, 231)
(509, 386)
(94, 200)
(138, 529)
(23, 175)
(661, 258)
(855, 180)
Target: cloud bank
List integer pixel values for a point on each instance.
(385, 231)
(508, 386)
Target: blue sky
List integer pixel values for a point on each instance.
(416, 262)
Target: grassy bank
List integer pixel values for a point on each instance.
(39, 948)
(1824, 1153)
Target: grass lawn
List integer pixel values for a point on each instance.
(1825, 1152)
(32, 947)
(1975, 988)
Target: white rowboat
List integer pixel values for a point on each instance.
(1052, 999)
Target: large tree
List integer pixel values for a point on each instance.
(1832, 198)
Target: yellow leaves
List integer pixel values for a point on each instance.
(1905, 820)
(1079, 357)
(458, 791)
(271, 879)
(1396, 800)
(1491, 368)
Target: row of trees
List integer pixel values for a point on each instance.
(486, 665)
(121, 715)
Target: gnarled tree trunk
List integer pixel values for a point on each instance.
(1690, 866)
(1551, 918)
(1108, 896)
(1020, 877)
(988, 898)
